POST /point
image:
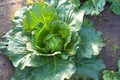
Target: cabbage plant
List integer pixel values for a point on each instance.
(114, 6)
(112, 75)
(49, 42)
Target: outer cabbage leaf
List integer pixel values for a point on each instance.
(55, 3)
(72, 16)
(18, 19)
(93, 7)
(115, 6)
(68, 12)
(21, 53)
(111, 75)
(17, 22)
(88, 69)
(76, 2)
(88, 23)
(108, 75)
(91, 42)
(56, 70)
(24, 74)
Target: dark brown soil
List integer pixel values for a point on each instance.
(107, 23)
(6, 68)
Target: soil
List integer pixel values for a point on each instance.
(7, 9)
(107, 23)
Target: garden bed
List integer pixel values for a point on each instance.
(106, 22)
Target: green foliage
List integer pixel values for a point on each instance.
(39, 15)
(68, 11)
(22, 74)
(111, 75)
(49, 42)
(93, 7)
(90, 7)
(115, 48)
(88, 69)
(58, 3)
(55, 69)
(59, 71)
(91, 42)
(115, 6)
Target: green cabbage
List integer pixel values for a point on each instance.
(47, 42)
